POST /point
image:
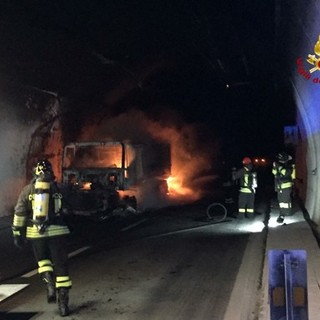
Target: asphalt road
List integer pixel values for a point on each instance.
(170, 264)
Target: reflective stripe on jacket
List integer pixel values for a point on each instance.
(248, 182)
(23, 215)
(284, 176)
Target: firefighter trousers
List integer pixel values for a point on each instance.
(52, 256)
(285, 201)
(246, 203)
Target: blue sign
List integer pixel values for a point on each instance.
(288, 294)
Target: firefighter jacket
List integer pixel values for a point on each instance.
(284, 175)
(38, 212)
(247, 180)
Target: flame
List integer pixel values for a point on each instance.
(86, 186)
(175, 187)
(188, 159)
(191, 153)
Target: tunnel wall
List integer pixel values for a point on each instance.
(299, 30)
(14, 142)
(26, 126)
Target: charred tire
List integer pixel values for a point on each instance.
(216, 212)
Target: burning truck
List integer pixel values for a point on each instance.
(101, 179)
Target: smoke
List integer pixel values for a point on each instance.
(193, 149)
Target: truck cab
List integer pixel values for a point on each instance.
(101, 177)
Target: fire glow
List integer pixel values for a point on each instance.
(175, 187)
(86, 186)
(191, 156)
(188, 159)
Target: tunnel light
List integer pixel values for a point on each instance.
(260, 161)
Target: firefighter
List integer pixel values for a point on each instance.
(246, 178)
(284, 174)
(39, 218)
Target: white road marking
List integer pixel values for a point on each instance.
(30, 274)
(133, 225)
(7, 290)
(74, 253)
(170, 233)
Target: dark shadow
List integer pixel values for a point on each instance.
(17, 315)
(83, 306)
(312, 224)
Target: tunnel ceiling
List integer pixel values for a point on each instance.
(212, 61)
(66, 46)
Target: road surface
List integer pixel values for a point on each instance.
(172, 264)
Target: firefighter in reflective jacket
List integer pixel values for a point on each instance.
(38, 217)
(284, 174)
(247, 180)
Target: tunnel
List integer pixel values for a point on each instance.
(35, 112)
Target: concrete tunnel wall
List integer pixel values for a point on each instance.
(23, 130)
(301, 32)
(14, 142)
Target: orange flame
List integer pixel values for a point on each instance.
(187, 159)
(191, 156)
(175, 187)
(86, 186)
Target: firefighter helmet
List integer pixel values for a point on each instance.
(283, 157)
(246, 160)
(43, 168)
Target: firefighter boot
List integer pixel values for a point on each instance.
(280, 219)
(63, 300)
(47, 278)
